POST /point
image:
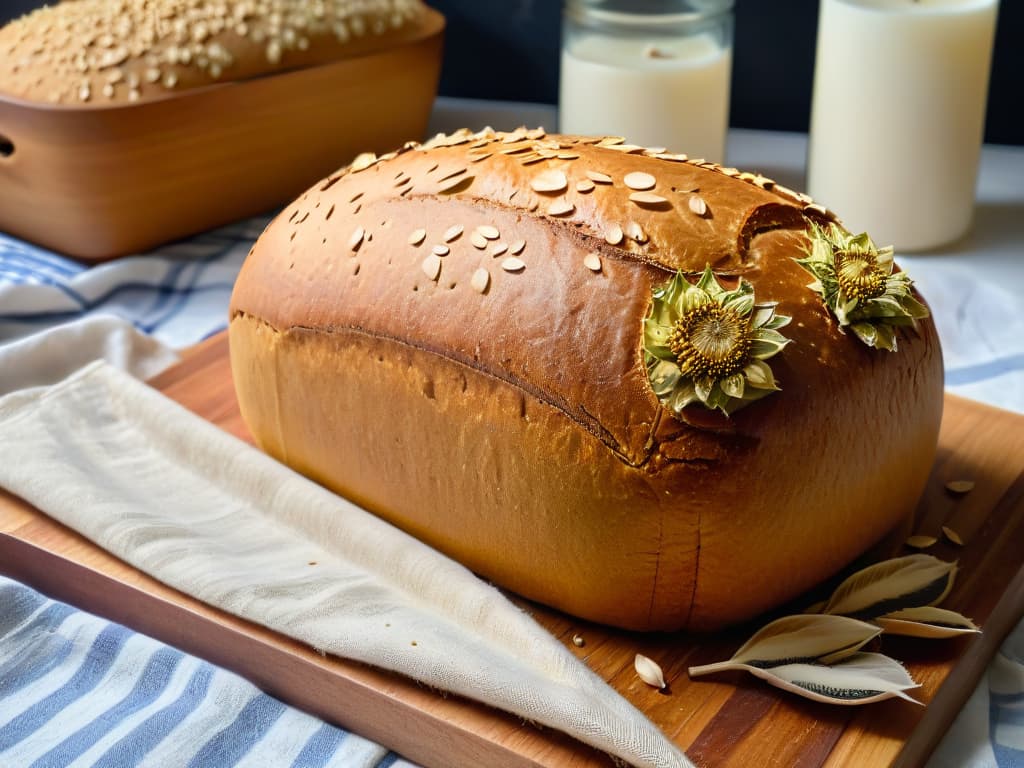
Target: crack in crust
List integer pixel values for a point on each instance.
(591, 424)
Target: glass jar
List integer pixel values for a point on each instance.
(654, 71)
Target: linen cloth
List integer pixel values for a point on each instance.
(79, 690)
(215, 518)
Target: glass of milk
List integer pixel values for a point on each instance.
(653, 71)
(900, 88)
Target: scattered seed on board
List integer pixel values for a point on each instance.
(592, 262)
(960, 486)
(647, 198)
(517, 247)
(697, 205)
(639, 180)
(920, 541)
(488, 231)
(417, 236)
(952, 535)
(561, 208)
(578, 641)
(497, 249)
(452, 233)
(357, 239)
(440, 250)
(432, 267)
(584, 185)
(649, 671)
(513, 264)
(480, 280)
(599, 178)
(613, 234)
(549, 181)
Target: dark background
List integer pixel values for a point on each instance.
(509, 50)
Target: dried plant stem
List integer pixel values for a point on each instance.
(710, 669)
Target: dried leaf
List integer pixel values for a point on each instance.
(928, 622)
(649, 671)
(892, 585)
(863, 678)
(809, 638)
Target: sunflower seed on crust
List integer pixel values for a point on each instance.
(634, 231)
(920, 541)
(417, 236)
(480, 280)
(513, 264)
(549, 181)
(639, 180)
(431, 267)
(452, 233)
(647, 198)
(613, 234)
(560, 208)
(592, 262)
(599, 178)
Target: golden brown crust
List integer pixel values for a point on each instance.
(104, 53)
(801, 481)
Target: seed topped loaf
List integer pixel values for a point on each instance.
(612, 379)
(109, 52)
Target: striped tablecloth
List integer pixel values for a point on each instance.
(78, 690)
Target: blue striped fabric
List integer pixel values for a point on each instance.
(178, 293)
(76, 690)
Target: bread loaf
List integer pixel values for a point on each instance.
(564, 362)
(109, 52)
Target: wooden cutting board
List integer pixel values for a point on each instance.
(729, 720)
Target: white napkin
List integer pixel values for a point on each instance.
(48, 356)
(209, 515)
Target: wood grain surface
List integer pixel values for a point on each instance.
(728, 720)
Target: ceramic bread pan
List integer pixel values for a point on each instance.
(95, 182)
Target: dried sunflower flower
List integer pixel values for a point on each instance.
(857, 283)
(703, 343)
